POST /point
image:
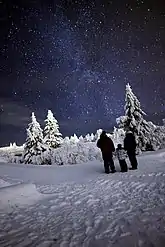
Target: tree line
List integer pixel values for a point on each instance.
(148, 136)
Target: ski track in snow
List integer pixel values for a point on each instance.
(4, 182)
(105, 210)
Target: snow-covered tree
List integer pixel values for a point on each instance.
(76, 153)
(163, 120)
(14, 145)
(34, 146)
(92, 137)
(134, 120)
(98, 133)
(115, 133)
(81, 138)
(66, 140)
(159, 136)
(74, 139)
(87, 138)
(118, 136)
(52, 135)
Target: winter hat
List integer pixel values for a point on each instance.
(119, 146)
(103, 133)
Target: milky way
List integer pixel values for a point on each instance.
(75, 58)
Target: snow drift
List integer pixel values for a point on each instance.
(20, 195)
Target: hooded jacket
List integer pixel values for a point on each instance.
(106, 145)
(130, 142)
(121, 154)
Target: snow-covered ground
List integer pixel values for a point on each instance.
(79, 205)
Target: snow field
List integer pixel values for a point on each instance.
(101, 213)
(85, 207)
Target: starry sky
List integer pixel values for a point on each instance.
(75, 58)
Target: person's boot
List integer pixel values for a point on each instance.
(113, 171)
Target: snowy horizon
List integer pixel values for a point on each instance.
(19, 138)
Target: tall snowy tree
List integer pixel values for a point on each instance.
(134, 119)
(34, 145)
(52, 135)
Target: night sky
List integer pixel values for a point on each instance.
(75, 58)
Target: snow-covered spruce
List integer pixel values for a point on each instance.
(35, 151)
(52, 135)
(158, 137)
(134, 120)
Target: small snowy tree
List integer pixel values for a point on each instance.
(163, 120)
(87, 138)
(98, 133)
(52, 136)
(92, 137)
(66, 140)
(81, 138)
(76, 153)
(118, 136)
(74, 139)
(134, 120)
(34, 146)
(14, 145)
(159, 136)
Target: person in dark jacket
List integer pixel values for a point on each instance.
(107, 148)
(130, 147)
